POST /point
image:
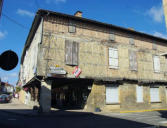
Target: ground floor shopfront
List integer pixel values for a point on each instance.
(89, 95)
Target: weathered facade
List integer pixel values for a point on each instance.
(73, 61)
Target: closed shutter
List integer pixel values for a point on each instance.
(71, 52)
(113, 58)
(112, 94)
(132, 60)
(139, 93)
(68, 52)
(156, 61)
(75, 53)
(154, 95)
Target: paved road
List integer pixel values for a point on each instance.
(70, 121)
(154, 118)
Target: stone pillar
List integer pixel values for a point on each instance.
(45, 96)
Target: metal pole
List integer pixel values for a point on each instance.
(1, 4)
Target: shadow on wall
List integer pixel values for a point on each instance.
(63, 119)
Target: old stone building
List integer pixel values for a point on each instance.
(73, 62)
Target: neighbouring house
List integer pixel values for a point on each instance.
(72, 62)
(6, 88)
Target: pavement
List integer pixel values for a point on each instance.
(18, 108)
(157, 118)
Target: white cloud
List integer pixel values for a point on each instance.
(156, 13)
(55, 1)
(9, 77)
(158, 34)
(4, 78)
(25, 13)
(14, 74)
(3, 34)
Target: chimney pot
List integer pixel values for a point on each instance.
(78, 14)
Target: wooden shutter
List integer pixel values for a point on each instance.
(113, 58)
(139, 93)
(154, 94)
(156, 61)
(112, 94)
(75, 53)
(132, 60)
(68, 52)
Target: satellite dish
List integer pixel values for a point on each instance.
(8, 60)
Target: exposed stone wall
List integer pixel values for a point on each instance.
(96, 99)
(127, 98)
(29, 66)
(93, 58)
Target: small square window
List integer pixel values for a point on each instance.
(72, 29)
(112, 36)
(131, 41)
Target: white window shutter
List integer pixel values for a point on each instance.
(154, 94)
(139, 93)
(156, 61)
(112, 95)
(132, 60)
(113, 58)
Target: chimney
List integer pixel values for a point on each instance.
(131, 28)
(78, 14)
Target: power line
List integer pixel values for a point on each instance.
(14, 21)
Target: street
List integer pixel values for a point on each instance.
(72, 120)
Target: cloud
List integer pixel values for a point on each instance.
(25, 13)
(9, 77)
(55, 1)
(3, 34)
(158, 34)
(156, 13)
(5, 78)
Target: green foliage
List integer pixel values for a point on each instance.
(18, 89)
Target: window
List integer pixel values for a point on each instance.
(71, 27)
(156, 63)
(132, 60)
(139, 93)
(112, 95)
(113, 58)
(154, 46)
(131, 41)
(71, 52)
(154, 94)
(112, 36)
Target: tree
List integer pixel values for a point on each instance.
(18, 89)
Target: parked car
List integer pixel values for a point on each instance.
(4, 98)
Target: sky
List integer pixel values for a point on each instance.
(17, 15)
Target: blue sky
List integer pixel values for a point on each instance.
(142, 15)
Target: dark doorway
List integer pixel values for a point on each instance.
(71, 94)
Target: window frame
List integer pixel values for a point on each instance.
(155, 101)
(118, 94)
(155, 70)
(138, 97)
(111, 65)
